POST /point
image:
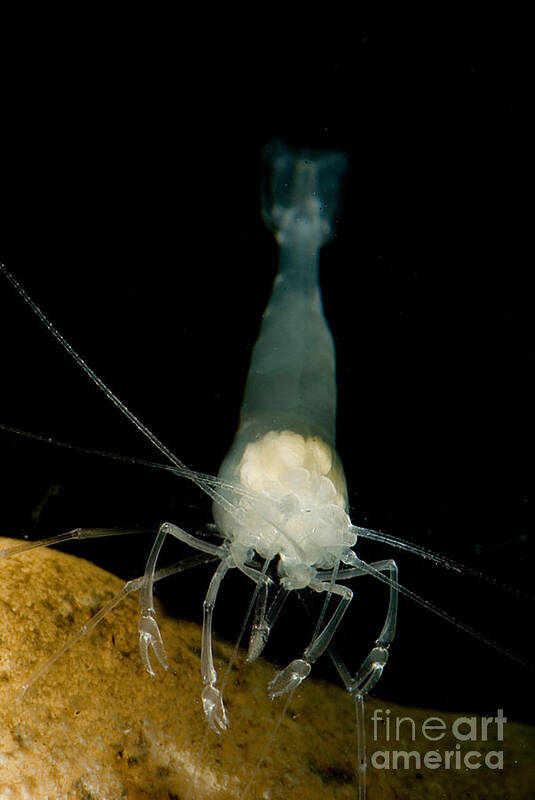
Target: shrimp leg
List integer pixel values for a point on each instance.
(264, 620)
(294, 673)
(212, 699)
(149, 631)
(372, 667)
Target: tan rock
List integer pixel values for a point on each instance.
(97, 726)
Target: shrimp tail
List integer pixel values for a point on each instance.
(300, 192)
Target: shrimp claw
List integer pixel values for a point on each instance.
(289, 678)
(150, 636)
(214, 709)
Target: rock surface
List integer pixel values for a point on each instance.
(98, 727)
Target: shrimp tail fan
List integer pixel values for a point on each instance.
(301, 192)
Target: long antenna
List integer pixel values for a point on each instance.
(179, 465)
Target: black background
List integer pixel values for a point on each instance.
(130, 212)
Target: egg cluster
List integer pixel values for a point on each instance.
(299, 506)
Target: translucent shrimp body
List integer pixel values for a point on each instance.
(292, 503)
(281, 492)
(284, 448)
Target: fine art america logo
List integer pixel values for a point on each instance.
(462, 733)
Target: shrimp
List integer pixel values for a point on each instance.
(280, 500)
